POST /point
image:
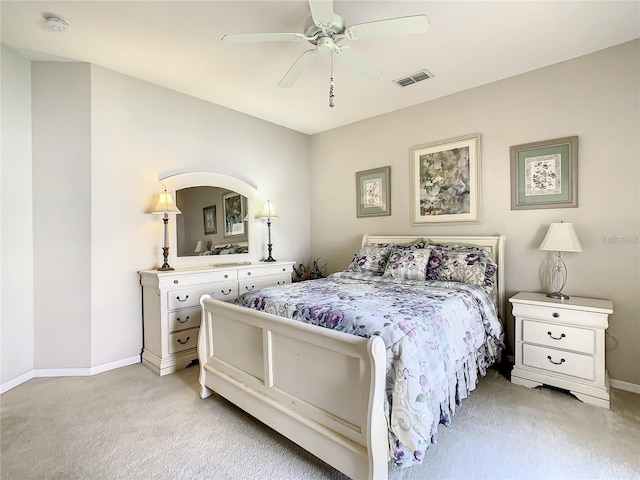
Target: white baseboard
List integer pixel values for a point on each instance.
(67, 372)
(626, 386)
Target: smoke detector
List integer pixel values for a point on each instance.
(55, 22)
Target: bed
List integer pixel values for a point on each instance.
(366, 377)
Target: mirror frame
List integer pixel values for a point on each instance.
(208, 179)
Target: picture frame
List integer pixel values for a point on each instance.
(373, 192)
(210, 220)
(445, 181)
(545, 174)
(233, 210)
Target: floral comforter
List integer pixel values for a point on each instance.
(438, 336)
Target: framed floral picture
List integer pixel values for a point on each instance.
(233, 215)
(445, 181)
(373, 192)
(545, 174)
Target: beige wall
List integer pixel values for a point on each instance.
(101, 141)
(595, 97)
(16, 219)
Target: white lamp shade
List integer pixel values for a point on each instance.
(561, 237)
(267, 211)
(165, 205)
(198, 247)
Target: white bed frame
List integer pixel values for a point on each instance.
(322, 389)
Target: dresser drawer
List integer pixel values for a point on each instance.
(559, 361)
(190, 297)
(183, 340)
(560, 314)
(259, 283)
(263, 271)
(559, 336)
(223, 291)
(183, 319)
(197, 278)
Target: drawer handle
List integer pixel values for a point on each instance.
(226, 276)
(225, 293)
(562, 360)
(555, 314)
(183, 321)
(185, 298)
(284, 269)
(281, 283)
(175, 282)
(187, 341)
(248, 273)
(562, 335)
(249, 288)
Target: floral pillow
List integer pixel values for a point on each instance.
(458, 264)
(407, 264)
(370, 259)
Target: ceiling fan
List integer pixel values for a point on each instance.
(325, 31)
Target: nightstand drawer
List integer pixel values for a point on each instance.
(559, 361)
(559, 336)
(183, 340)
(560, 314)
(183, 319)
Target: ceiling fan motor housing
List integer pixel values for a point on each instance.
(335, 29)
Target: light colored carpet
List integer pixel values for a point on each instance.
(130, 424)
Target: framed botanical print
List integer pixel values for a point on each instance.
(373, 192)
(210, 220)
(545, 174)
(445, 181)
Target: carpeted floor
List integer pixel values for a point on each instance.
(130, 424)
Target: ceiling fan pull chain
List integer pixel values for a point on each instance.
(331, 95)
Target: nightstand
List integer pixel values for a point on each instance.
(561, 343)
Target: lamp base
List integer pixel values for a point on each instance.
(558, 296)
(165, 266)
(269, 258)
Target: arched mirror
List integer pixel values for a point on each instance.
(216, 225)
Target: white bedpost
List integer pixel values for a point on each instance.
(378, 439)
(203, 347)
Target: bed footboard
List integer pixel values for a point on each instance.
(322, 389)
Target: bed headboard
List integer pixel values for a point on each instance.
(493, 244)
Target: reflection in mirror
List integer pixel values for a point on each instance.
(212, 222)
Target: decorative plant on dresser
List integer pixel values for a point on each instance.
(561, 343)
(171, 305)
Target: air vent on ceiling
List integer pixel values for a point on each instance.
(414, 78)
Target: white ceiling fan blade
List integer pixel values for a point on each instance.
(357, 63)
(321, 12)
(388, 27)
(297, 68)
(263, 37)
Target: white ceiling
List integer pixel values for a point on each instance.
(177, 44)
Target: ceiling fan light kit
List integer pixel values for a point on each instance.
(325, 30)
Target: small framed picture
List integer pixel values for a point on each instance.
(210, 220)
(373, 192)
(545, 174)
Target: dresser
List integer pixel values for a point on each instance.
(171, 305)
(562, 343)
